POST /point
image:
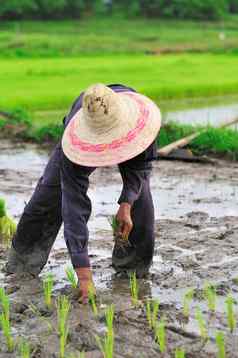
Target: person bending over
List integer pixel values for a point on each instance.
(107, 126)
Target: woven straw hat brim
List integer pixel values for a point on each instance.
(138, 128)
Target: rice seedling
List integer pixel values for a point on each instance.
(48, 283)
(179, 353)
(106, 345)
(134, 289)
(152, 309)
(188, 297)
(24, 349)
(63, 308)
(114, 224)
(231, 320)
(7, 225)
(220, 342)
(71, 277)
(5, 320)
(160, 335)
(201, 323)
(92, 300)
(210, 295)
(109, 315)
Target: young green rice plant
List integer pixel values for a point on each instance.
(106, 345)
(134, 289)
(7, 225)
(210, 295)
(160, 335)
(201, 323)
(71, 277)
(220, 342)
(114, 224)
(109, 315)
(24, 349)
(179, 353)
(48, 283)
(231, 320)
(187, 300)
(92, 300)
(63, 308)
(5, 320)
(152, 309)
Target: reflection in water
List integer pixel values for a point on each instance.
(213, 115)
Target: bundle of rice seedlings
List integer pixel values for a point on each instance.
(7, 225)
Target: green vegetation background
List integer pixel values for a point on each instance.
(45, 65)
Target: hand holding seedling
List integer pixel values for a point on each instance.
(124, 220)
(85, 283)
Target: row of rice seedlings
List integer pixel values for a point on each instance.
(70, 273)
(48, 284)
(63, 308)
(187, 300)
(220, 342)
(152, 310)
(179, 353)
(231, 320)
(7, 225)
(24, 349)
(134, 289)
(210, 295)
(106, 345)
(5, 320)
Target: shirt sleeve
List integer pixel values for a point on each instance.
(76, 210)
(134, 173)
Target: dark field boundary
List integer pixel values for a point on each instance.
(214, 141)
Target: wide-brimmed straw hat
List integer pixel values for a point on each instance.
(111, 127)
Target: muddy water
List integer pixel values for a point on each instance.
(213, 112)
(196, 208)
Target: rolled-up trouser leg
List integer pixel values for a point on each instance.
(142, 236)
(39, 223)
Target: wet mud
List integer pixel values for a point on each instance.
(196, 207)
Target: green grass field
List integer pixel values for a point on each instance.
(115, 35)
(47, 87)
(103, 36)
(45, 65)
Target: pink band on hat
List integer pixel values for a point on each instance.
(117, 143)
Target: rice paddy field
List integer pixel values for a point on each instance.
(187, 306)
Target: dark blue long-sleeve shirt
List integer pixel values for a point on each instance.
(76, 206)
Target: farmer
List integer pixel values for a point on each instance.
(107, 125)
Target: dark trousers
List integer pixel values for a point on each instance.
(42, 219)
